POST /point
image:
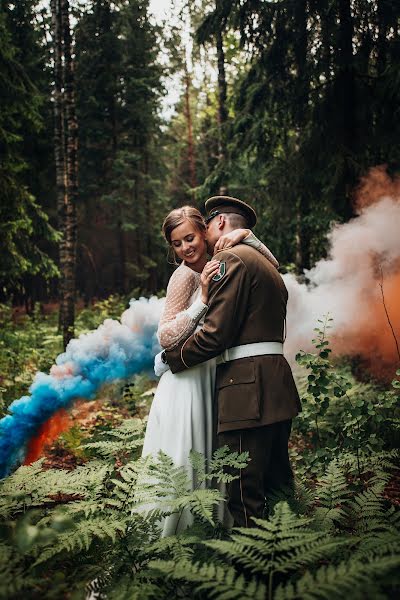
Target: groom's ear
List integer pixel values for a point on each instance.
(221, 221)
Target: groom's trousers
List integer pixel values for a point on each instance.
(269, 469)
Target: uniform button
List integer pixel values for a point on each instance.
(231, 381)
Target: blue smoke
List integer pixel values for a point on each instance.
(116, 350)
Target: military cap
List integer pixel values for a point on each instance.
(225, 204)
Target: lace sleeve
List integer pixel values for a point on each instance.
(180, 316)
(254, 242)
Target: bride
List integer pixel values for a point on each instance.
(181, 415)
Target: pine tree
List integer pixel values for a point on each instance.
(25, 228)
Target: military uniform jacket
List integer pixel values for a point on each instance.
(247, 304)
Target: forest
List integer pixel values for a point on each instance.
(112, 114)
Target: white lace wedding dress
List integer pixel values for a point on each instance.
(181, 417)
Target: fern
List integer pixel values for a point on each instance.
(281, 544)
(371, 462)
(217, 581)
(30, 486)
(82, 536)
(216, 468)
(381, 543)
(354, 578)
(126, 589)
(124, 440)
(332, 494)
(13, 579)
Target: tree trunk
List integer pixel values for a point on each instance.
(72, 181)
(346, 107)
(121, 270)
(66, 145)
(381, 43)
(59, 145)
(188, 115)
(303, 236)
(222, 97)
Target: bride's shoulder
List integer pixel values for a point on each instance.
(184, 275)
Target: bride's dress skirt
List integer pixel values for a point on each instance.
(181, 419)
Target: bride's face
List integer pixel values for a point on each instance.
(189, 243)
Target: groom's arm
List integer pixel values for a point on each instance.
(227, 302)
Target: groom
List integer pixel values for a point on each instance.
(245, 327)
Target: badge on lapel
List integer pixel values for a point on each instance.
(221, 272)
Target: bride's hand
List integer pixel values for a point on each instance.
(228, 240)
(211, 268)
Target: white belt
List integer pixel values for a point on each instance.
(247, 350)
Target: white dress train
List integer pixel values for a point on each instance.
(180, 420)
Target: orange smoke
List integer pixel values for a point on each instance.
(364, 254)
(374, 186)
(47, 434)
(376, 330)
(371, 335)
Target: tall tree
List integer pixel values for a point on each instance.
(313, 110)
(65, 144)
(119, 84)
(25, 231)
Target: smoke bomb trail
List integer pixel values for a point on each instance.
(47, 434)
(116, 350)
(347, 283)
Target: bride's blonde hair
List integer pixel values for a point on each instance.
(178, 216)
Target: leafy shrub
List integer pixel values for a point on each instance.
(26, 346)
(97, 528)
(339, 414)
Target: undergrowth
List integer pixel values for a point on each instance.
(96, 529)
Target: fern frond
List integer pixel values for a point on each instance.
(371, 462)
(304, 498)
(82, 536)
(13, 578)
(200, 502)
(124, 440)
(175, 547)
(31, 486)
(351, 578)
(222, 458)
(124, 588)
(369, 510)
(332, 493)
(383, 543)
(217, 581)
(281, 544)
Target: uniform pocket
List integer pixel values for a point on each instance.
(237, 391)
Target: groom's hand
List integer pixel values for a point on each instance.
(227, 307)
(230, 239)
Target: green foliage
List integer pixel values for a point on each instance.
(25, 230)
(216, 581)
(309, 113)
(100, 519)
(119, 442)
(91, 317)
(27, 345)
(340, 416)
(353, 577)
(97, 526)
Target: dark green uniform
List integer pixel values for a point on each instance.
(256, 396)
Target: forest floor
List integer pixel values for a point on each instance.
(91, 418)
